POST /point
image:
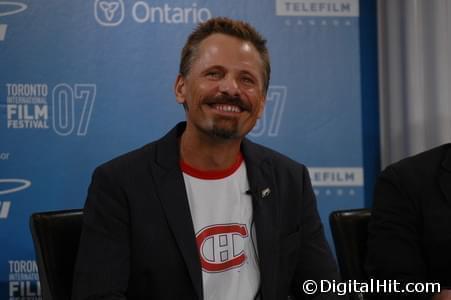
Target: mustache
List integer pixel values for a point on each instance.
(226, 99)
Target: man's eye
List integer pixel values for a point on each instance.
(213, 74)
(248, 80)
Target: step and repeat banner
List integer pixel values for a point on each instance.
(84, 81)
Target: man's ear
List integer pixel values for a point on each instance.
(180, 89)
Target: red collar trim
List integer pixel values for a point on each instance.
(211, 175)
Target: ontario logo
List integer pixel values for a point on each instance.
(112, 13)
(221, 247)
(9, 186)
(109, 12)
(8, 8)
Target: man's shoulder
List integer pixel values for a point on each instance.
(265, 154)
(164, 147)
(132, 159)
(424, 163)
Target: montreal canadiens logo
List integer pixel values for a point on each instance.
(221, 247)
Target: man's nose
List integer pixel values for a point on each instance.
(229, 85)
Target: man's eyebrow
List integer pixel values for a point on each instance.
(248, 72)
(251, 73)
(214, 67)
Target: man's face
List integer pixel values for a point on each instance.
(223, 92)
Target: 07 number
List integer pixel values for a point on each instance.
(67, 113)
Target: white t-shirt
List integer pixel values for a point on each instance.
(222, 216)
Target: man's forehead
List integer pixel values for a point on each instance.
(218, 46)
(225, 40)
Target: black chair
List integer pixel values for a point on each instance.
(350, 235)
(56, 236)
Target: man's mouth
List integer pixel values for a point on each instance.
(227, 104)
(227, 108)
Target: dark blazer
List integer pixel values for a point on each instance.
(138, 240)
(410, 229)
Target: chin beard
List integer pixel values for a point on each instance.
(224, 132)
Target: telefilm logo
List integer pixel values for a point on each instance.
(113, 12)
(337, 181)
(318, 8)
(68, 111)
(8, 8)
(24, 280)
(9, 186)
(336, 177)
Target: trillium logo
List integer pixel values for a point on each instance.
(109, 9)
(109, 12)
(9, 8)
(9, 186)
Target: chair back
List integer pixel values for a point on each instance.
(56, 236)
(350, 235)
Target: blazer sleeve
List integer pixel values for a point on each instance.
(315, 259)
(102, 266)
(394, 250)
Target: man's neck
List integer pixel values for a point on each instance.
(208, 153)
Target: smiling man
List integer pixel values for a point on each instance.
(203, 213)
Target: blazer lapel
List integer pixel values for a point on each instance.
(264, 200)
(445, 176)
(171, 192)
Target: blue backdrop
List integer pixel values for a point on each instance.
(84, 81)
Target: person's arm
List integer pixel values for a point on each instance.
(394, 246)
(102, 267)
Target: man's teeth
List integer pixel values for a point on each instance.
(228, 108)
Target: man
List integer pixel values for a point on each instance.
(410, 229)
(203, 213)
